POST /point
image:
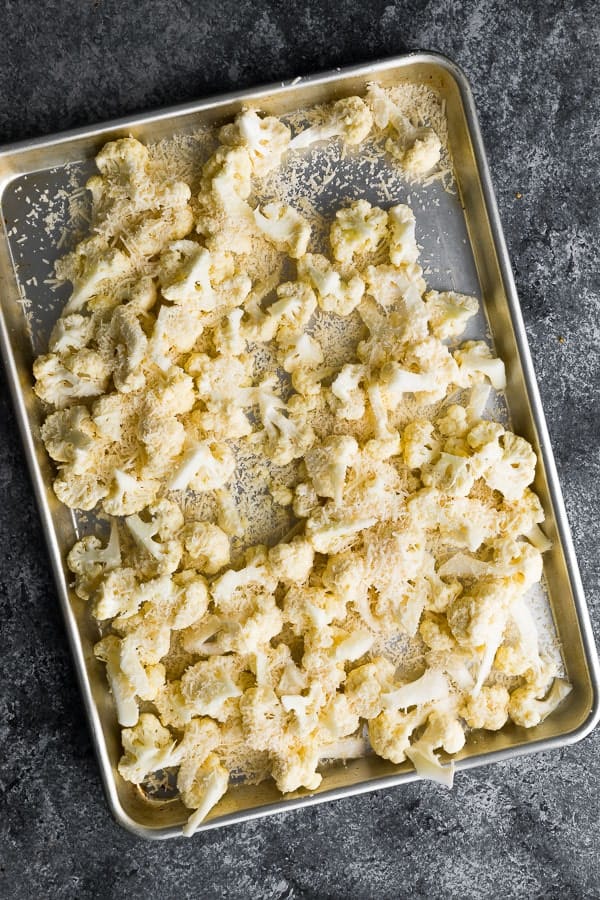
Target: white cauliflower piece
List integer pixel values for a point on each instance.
(292, 563)
(89, 561)
(148, 747)
(207, 546)
(129, 494)
(206, 466)
(346, 387)
(516, 468)
(431, 687)
(207, 686)
(123, 691)
(418, 148)
(332, 535)
(72, 332)
(475, 362)
(266, 139)
(296, 768)
(333, 294)
(287, 439)
(358, 229)
(130, 345)
(449, 312)
(445, 731)
(72, 376)
(201, 786)
(390, 732)
(165, 522)
(349, 118)
(419, 443)
(531, 704)
(69, 437)
(404, 251)
(365, 685)
(185, 275)
(285, 227)
(327, 465)
(489, 709)
(435, 371)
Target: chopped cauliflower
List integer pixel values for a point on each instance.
(315, 534)
(285, 227)
(349, 118)
(358, 229)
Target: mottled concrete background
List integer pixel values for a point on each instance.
(524, 829)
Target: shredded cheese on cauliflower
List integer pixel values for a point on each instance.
(423, 529)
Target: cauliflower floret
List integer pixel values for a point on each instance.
(284, 227)
(68, 436)
(529, 705)
(516, 468)
(129, 494)
(284, 319)
(266, 139)
(301, 360)
(345, 575)
(287, 439)
(364, 686)
(358, 229)
(450, 474)
(201, 786)
(175, 331)
(404, 251)
(333, 294)
(390, 732)
(60, 380)
(478, 620)
(130, 345)
(206, 466)
(228, 515)
(310, 609)
(521, 515)
(327, 465)
(109, 413)
(89, 561)
(475, 362)
(332, 535)
(185, 270)
(117, 594)
(346, 387)
(349, 118)
(489, 709)
(263, 718)
(419, 444)
(449, 312)
(445, 731)
(167, 552)
(207, 546)
(207, 686)
(431, 687)
(392, 287)
(337, 719)
(148, 747)
(296, 768)
(72, 332)
(292, 563)
(305, 500)
(417, 148)
(91, 268)
(109, 651)
(427, 371)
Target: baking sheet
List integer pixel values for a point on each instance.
(43, 206)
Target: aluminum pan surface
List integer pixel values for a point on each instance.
(478, 262)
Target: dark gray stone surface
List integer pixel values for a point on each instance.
(529, 828)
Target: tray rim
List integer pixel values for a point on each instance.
(328, 76)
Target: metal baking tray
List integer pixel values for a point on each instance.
(462, 239)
